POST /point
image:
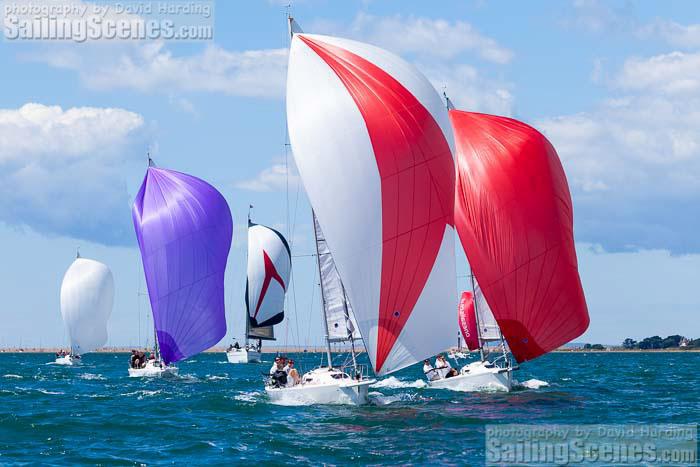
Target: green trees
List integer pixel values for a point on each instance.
(657, 342)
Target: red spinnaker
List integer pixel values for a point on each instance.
(514, 217)
(466, 315)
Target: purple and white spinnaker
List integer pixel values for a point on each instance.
(184, 230)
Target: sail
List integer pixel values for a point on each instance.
(266, 333)
(336, 306)
(184, 227)
(269, 268)
(514, 217)
(372, 142)
(467, 321)
(87, 297)
(488, 326)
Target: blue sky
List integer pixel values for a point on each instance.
(614, 85)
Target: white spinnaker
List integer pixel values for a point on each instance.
(269, 267)
(335, 157)
(488, 326)
(87, 297)
(336, 306)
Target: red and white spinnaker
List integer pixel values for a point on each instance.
(372, 141)
(269, 268)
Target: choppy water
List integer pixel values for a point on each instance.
(217, 413)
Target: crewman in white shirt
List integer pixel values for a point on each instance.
(430, 372)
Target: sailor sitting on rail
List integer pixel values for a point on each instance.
(278, 373)
(444, 368)
(430, 372)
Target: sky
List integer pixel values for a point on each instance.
(614, 85)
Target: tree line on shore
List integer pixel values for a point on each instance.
(657, 342)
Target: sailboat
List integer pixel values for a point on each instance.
(269, 269)
(184, 228)
(372, 142)
(514, 217)
(87, 297)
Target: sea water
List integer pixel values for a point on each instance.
(217, 413)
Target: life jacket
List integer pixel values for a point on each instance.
(279, 378)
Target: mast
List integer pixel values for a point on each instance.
(323, 299)
(247, 312)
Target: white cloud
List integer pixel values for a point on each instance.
(600, 17)
(60, 170)
(273, 178)
(153, 67)
(634, 161)
(424, 36)
(686, 36)
(469, 90)
(673, 73)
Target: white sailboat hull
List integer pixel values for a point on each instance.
(477, 376)
(67, 361)
(243, 356)
(151, 371)
(320, 387)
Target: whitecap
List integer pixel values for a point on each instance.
(141, 393)
(393, 382)
(531, 384)
(50, 393)
(91, 376)
(247, 396)
(216, 378)
(10, 375)
(377, 398)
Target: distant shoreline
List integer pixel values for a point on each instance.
(293, 349)
(288, 349)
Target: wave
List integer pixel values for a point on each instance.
(91, 376)
(141, 393)
(379, 399)
(251, 396)
(10, 375)
(50, 393)
(531, 384)
(392, 382)
(216, 378)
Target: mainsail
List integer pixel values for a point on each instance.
(87, 296)
(184, 229)
(269, 268)
(515, 220)
(336, 305)
(372, 142)
(488, 326)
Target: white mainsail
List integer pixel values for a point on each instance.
(87, 297)
(488, 326)
(336, 306)
(373, 145)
